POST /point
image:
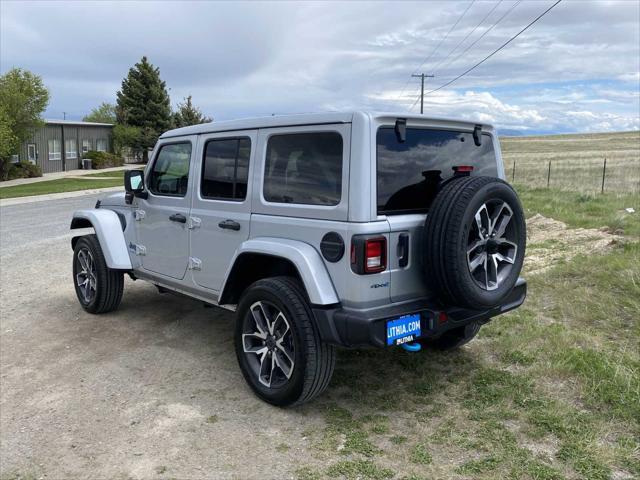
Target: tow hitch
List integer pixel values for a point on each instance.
(412, 347)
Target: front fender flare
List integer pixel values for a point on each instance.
(110, 235)
(304, 257)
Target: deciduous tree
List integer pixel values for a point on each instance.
(23, 98)
(105, 113)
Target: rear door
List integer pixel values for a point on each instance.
(221, 209)
(408, 177)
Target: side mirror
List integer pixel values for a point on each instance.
(134, 184)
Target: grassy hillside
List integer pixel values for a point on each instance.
(577, 161)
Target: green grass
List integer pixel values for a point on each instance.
(584, 210)
(359, 470)
(57, 186)
(548, 391)
(113, 174)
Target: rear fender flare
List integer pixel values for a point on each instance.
(304, 258)
(108, 228)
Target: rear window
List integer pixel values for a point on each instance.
(409, 172)
(304, 168)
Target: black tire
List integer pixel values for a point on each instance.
(449, 231)
(452, 339)
(109, 284)
(314, 359)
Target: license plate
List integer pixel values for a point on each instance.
(403, 330)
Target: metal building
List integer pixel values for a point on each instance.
(58, 145)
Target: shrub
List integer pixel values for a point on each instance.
(103, 159)
(11, 171)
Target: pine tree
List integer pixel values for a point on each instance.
(188, 114)
(143, 102)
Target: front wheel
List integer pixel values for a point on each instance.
(99, 288)
(278, 346)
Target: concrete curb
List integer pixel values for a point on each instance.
(56, 196)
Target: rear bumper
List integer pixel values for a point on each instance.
(358, 328)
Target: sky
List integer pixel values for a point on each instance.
(575, 70)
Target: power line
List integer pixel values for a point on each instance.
(434, 50)
(445, 37)
(496, 50)
(468, 35)
(483, 34)
(414, 103)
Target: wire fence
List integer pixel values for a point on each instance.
(581, 166)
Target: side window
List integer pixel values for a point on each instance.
(304, 168)
(170, 173)
(225, 169)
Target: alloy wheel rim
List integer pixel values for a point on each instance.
(86, 278)
(491, 248)
(268, 344)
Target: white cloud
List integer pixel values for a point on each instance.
(240, 59)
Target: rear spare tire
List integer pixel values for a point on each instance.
(475, 238)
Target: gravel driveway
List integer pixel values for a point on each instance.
(150, 391)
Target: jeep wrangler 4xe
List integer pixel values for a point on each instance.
(319, 231)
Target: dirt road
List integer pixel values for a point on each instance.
(149, 391)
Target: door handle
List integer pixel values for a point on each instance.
(403, 250)
(178, 217)
(229, 225)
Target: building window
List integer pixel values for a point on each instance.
(15, 158)
(101, 145)
(54, 150)
(86, 146)
(70, 149)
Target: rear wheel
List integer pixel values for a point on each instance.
(98, 288)
(278, 346)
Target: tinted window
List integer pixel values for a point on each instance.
(304, 168)
(226, 169)
(409, 172)
(170, 174)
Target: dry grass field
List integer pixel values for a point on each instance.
(576, 161)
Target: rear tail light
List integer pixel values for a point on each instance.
(375, 255)
(368, 255)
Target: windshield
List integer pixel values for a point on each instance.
(409, 172)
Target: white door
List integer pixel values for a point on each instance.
(31, 153)
(221, 208)
(162, 217)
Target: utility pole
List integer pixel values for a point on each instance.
(421, 76)
(64, 115)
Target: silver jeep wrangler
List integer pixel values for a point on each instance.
(321, 230)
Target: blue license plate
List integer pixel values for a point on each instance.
(403, 330)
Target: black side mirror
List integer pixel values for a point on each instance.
(134, 184)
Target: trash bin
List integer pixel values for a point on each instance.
(86, 164)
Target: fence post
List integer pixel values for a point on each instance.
(513, 173)
(604, 171)
(549, 174)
